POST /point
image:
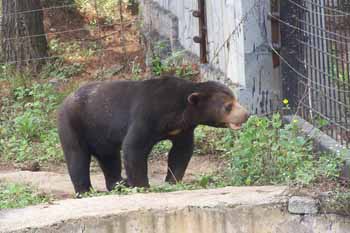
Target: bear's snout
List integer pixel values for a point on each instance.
(237, 116)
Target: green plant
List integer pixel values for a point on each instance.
(328, 166)
(202, 182)
(173, 63)
(166, 187)
(121, 189)
(55, 46)
(158, 68)
(337, 201)
(104, 9)
(321, 122)
(61, 70)
(27, 124)
(72, 49)
(206, 140)
(136, 70)
(5, 69)
(212, 181)
(267, 152)
(161, 148)
(19, 196)
(185, 70)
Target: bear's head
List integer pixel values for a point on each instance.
(214, 104)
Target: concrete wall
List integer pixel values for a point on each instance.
(263, 89)
(226, 210)
(223, 17)
(187, 24)
(241, 59)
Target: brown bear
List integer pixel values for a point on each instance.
(102, 118)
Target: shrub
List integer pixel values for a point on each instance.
(19, 196)
(267, 152)
(27, 128)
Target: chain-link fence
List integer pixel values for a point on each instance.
(319, 46)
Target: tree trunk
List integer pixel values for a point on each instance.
(23, 41)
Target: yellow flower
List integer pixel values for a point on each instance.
(285, 101)
(295, 121)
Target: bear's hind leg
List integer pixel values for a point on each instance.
(78, 162)
(111, 167)
(77, 157)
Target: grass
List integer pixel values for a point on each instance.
(28, 126)
(339, 202)
(174, 63)
(19, 196)
(202, 182)
(335, 201)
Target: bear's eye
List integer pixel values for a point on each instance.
(228, 108)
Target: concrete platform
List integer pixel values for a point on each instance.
(227, 210)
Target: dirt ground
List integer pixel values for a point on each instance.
(115, 52)
(54, 178)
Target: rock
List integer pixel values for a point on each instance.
(32, 166)
(303, 205)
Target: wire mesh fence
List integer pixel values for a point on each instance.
(321, 90)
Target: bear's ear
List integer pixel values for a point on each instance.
(194, 98)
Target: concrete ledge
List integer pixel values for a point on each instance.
(322, 141)
(226, 210)
(88, 212)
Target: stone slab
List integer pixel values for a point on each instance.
(41, 216)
